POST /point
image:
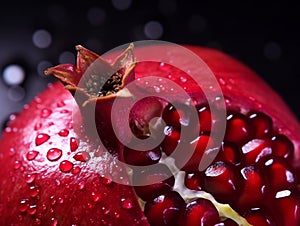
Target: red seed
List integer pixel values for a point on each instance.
(194, 181)
(282, 146)
(256, 150)
(165, 209)
(171, 141)
(237, 129)
(261, 125)
(229, 152)
(259, 217)
(199, 212)
(205, 118)
(141, 158)
(221, 181)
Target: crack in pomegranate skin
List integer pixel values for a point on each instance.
(252, 179)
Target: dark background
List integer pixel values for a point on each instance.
(35, 36)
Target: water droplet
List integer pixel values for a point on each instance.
(37, 126)
(11, 152)
(53, 200)
(105, 211)
(222, 81)
(60, 103)
(32, 210)
(117, 215)
(57, 182)
(76, 170)
(17, 164)
(60, 200)
(73, 143)
(45, 113)
(63, 133)
(53, 221)
(54, 154)
(23, 205)
(34, 191)
(183, 79)
(65, 166)
(106, 179)
(31, 155)
(162, 64)
(81, 185)
(82, 156)
(29, 178)
(126, 203)
(96, 197)
(64, 111)
(37, 221)
(41, 138)
(99, 152)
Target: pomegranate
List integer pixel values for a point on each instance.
(73, 161)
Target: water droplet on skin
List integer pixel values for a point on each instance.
(41, 138)
(12, 152)
(45, 113)
(96, 197)
(222, 81)
(81, 185)
(117, 215)
(64, 111)
(82, 156)
(60, 200)
(17, 164)
(106, 179)
(34, 191)
(105, 211)
(53, 221)
(32, 210)
(54, 154)
(183, 79)
(23, 205)
(63, 133)
(53, 200)
(31, 155)
(37, 221)
(126, 203)
(61, 103)
(73, 144)
(57, 182)
(76, 170)
(29, 178)
(65, 166)
(37, 126)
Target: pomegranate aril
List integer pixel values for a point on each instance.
(282, 146)
(253, 188)
(280, 175)
(171, 140)
(153, 181)
(229, 222)
(259, 217)
(229, 152)
(221, 181)
(256, 150)
(171, 116)
(194, 180)
(141, 158)
(261, 125)
(237, 128)
(165, 209)
(205, 119)
(199, 212)
(194, 151)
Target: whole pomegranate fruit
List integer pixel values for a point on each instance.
(71, 161)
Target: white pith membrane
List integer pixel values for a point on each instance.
(225, 211)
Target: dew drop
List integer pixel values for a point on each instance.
(64, 111)
(60, 200)
(34, 191)
(65, 166)
(63, 133)
(31, 155)
(117, 215)
(54, 154)
(60, 103)
(76, 170)
(106, 179)
(96, 197)
(29, 178)
(183, 79)
(17, 164)
(81, 185)
(73, 144)
(32, 210)
(126, 203)
(37, 126)
(105, 211)
(82, 156)
(41, 138)
(11, 152)
(23, 205)
(45, 113)
(37, 221)
(53, 221)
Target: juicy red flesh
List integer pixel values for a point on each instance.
(252, 166)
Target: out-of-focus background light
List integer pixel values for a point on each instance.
(38, 35)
